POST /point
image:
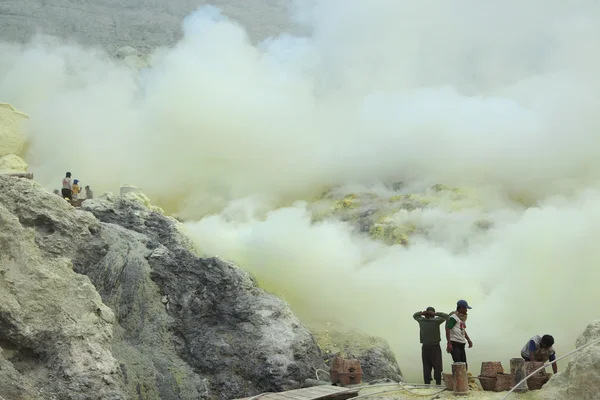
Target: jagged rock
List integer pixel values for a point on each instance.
(55, 331)
(218, 336)
(581, 379)
(223, 326)
(376, 358)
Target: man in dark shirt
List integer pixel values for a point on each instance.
(431, 352)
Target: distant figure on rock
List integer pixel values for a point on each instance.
(456, 333)
(539, 348)
(66, 186)
(88, 193)
(431, 352)
(75, 189)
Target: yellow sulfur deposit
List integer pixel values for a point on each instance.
(12, 136)
(144, 200)
(346, 202)
(12, 163)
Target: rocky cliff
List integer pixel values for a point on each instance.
(108, 302)
(580, 380)
(55, 332)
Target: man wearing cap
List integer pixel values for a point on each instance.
(431, 352)
(456, 333)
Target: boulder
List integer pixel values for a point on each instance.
(377, 359)
(178, 326)
(581, 378)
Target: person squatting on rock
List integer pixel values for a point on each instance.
(431, 352)
(88, 193)
(539, 348)
(66, 187)
(456, 333)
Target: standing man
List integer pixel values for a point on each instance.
(456, 333)
(431, 352)
(539, 348)
(66, 187)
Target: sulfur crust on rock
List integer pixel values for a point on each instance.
(142, 199)
(384, 219)
(12, 163)
(12, 136)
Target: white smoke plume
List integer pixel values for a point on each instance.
(500, 97)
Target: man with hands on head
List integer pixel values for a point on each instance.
(431, 352)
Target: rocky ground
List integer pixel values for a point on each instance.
(578, 381)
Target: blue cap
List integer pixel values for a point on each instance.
(463, 303)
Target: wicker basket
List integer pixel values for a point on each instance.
(531, 366)
(503, 382)
(489, 369)
(488, 384)
(448, 381)
(537, 381)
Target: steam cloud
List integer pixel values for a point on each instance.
(500, 97)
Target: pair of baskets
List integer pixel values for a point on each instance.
(492, 377)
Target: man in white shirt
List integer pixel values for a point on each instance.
(539, 348)
(66, 187)
(456, 333)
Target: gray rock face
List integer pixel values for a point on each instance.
(143, 24)
(55, 332)
(184, 327)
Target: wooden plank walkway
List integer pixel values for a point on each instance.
(311, 393)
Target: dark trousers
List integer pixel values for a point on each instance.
(459, 353)
(66, 193)
(431, 354)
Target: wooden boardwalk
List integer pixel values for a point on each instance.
(311, 393)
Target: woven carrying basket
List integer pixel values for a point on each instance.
(537, 381)
(488, 384)
(503, 382)
(531, 366)
(489, 369)
(448, 381)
